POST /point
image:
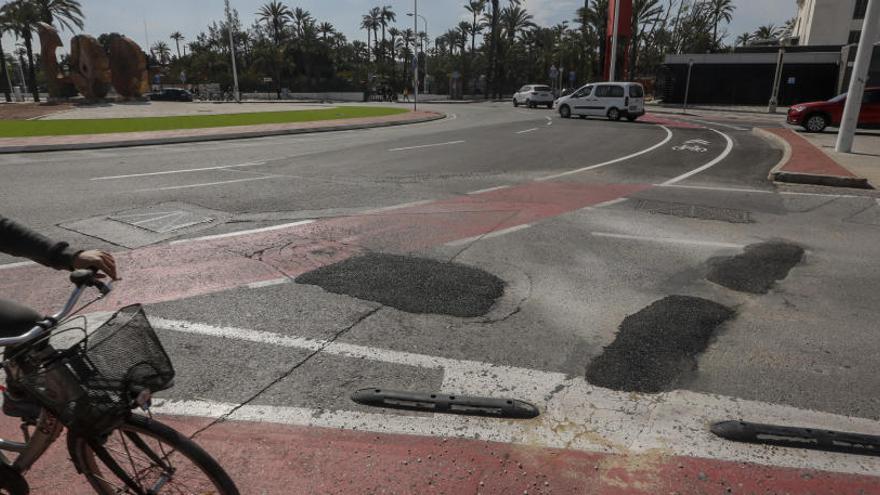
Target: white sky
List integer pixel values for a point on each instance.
(190, 17)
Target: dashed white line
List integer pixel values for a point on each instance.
(407, 148)
(669, 240)
(549, 121)
(707, 166)
(528, 130)
(245, 232)
(182, 171)
(490, 189)
(490, 235)
(205, 184)
(616, 160)
(398, 207)
(268, 283)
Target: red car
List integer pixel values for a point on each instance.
(816, 116)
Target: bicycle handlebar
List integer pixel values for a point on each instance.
(82, 279)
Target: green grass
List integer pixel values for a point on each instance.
(32, 128)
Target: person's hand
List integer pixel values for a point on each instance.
(97, 260)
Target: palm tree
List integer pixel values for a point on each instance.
(495, 49)
(177, 37)
(516, 20)
(23, 16)
(367, 23)
(67, 13)
(386, 15)
(4, 74)
(301, 18)
(743, 39)
(276, 15)
(464, 30)
(720, 10)
(376, 16)
(476, 9)
(767, 32)
(161, 51)
(395, 34)
(327, 30)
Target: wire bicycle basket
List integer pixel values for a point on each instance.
(93, 385)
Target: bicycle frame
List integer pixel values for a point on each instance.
(47, 431)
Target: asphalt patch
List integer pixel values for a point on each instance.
(414, 285)
(698, 212)
(655, 347)
(757, 269)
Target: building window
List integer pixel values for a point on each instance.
(854, 37)
(861, 8)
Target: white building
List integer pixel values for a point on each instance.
(829, 22)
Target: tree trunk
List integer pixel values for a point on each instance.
(5, 75)
(32, 74)
(494, 52)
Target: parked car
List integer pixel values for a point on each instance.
(612, 100)
(171, 94)
(533, 95)
(816, 116)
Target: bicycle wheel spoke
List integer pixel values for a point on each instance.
(130, 460)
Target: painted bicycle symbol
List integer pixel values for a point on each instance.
(694, 145)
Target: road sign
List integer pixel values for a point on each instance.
(554, 72)
(183, 77)
(267, 79)
(572, 77)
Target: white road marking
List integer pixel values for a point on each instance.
(426, 146)
(398, 207)
(528, 130)
(669, 240)
(707, 166)
(549, 121)
(616, 160)
(490, 189)
(490, 235)
(268, 283)
(244, 232)
(708, 122)
(206, 184)
(183, 171)
(717, 189)
(575, 415)
(611, 203)
(20, 264)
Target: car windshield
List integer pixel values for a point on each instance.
(542, 88)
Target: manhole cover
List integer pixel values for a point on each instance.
(699, 212)
(149, 225)
(162, 221)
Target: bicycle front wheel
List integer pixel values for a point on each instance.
(143, 456)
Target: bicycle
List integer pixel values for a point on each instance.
(92, 389)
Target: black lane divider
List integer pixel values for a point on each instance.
(757, 269)
(448, 404)
(411, 284)
(803, 438)
(657, 345)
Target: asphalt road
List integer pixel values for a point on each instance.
(600, 221)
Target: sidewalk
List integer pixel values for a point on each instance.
(750, 109)
(810, 159)
(119, 140)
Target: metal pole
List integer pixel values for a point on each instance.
(614, 34)
(416, 64)
(777, 80)
(848, 124)
(687, 87)
(235, 93)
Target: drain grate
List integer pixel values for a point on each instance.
(700, 212)
(149, 225)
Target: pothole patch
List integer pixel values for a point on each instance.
(756, 270)
(698, 212)
(414, 285)
(657, 345)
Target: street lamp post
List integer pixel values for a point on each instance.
(614, 36)
(236, 93)
(687, 86)
(848, 124)
(777, 80)
(416, 64)
(424, 45)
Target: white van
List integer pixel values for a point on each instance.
(611, 100)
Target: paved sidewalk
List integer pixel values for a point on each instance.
(750, 109)
(806, 163)
(118, 140)
(864, 161)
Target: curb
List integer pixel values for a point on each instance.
(6, 150)
(777, 174)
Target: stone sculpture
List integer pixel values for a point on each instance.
(92, 71)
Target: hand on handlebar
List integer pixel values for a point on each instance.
(96, 260)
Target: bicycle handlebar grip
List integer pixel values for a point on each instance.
(83, 278)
